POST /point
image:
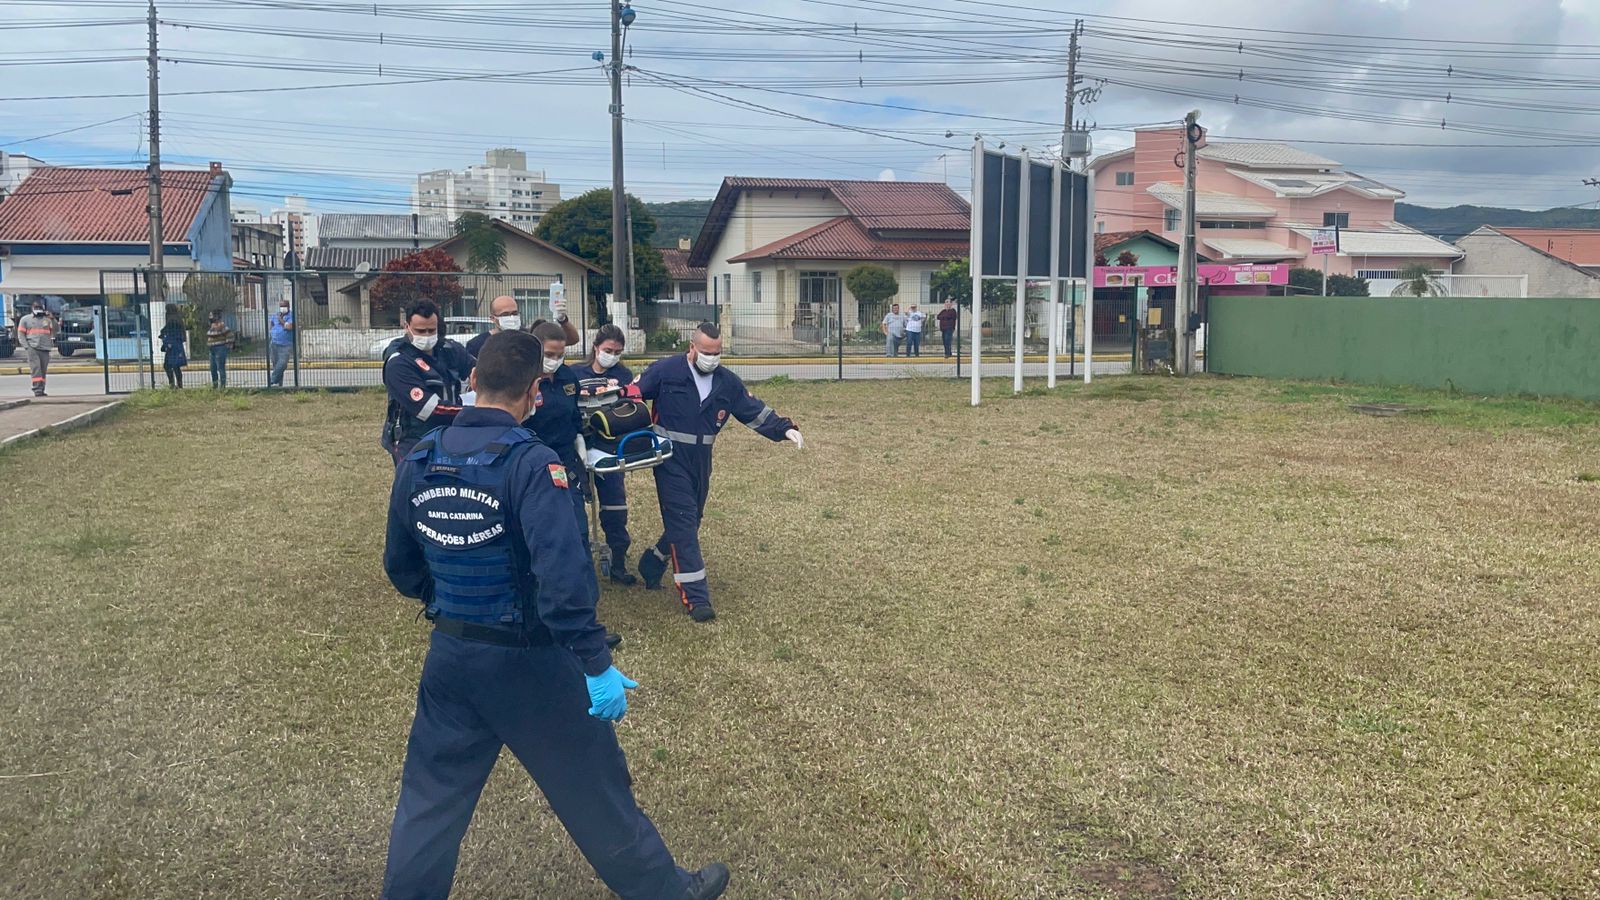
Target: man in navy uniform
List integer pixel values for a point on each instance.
(480, 531)
(693, 396)
(422, 373)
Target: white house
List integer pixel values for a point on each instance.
(776, 250)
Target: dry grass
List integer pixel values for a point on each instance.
(1153, 638)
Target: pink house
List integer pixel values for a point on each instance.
(1261, 202)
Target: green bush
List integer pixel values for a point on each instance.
(663, 340)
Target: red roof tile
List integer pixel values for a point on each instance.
(1579, 246)
(678, 268)
(845, 238)
(878, 206)
(102, 206)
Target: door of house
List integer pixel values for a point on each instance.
(816, 308)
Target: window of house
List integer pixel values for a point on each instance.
(532, 303)
(1124, 179)
(727, 288)
(465, 305)
(1230, 224)
(1172, 219)
(1336, 220)
(925, 288)
(755, 287)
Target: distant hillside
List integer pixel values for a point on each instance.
(679, 218)
(1450, 224)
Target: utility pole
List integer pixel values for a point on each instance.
(621, 234)
(1072, 90)
(1188, 273)
(157, 287)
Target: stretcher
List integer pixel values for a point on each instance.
(635, 451)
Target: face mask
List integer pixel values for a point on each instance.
(707, 362)
(551, 365)
(509, 323)
(283, 310)
(607, 360)
(424, 342)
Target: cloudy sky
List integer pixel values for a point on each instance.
(1453, 101)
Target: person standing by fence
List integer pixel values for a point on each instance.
(174, 347)
(948, 317)
(38, 333)
(915, 319)
(219, 340)
(280, 345)
(893, 327)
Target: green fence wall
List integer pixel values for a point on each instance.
(1545, 346)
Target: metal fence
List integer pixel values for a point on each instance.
(343, 321)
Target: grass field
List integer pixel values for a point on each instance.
(1148, 639)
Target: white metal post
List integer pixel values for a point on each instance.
(975, 264)
(1088, 287)
(1055, 268)
(1019, 320)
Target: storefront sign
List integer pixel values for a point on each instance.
(1210, 274)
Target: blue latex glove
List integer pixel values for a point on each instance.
(608, 697)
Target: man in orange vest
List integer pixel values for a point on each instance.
(38, 334)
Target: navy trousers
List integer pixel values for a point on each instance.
(682, 484)
(614, 513)
(476, 697)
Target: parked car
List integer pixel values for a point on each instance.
(76, 331)
(456, 328)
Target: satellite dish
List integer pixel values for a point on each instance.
(363, 267)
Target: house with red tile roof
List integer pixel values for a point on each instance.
(62, 226)
(776, 250)
(685, 283)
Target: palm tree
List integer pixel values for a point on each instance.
(486, 247)
(1417, 280)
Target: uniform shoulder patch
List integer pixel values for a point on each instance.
(416, 394)
(558, 475)
(423, 364)
(572, 389)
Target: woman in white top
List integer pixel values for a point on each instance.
(914, 321)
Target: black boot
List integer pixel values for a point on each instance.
(613, 640)
(651, 568)
(619, 569)
(701, 612)
(708, 883)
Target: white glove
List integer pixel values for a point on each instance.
(793, 434)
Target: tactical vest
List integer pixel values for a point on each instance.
(461, 515)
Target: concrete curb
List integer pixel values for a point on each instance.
(88, 417)
(13, 404)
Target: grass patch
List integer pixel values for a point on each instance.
(1271, 649)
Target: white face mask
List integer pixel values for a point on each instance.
(607, 360)
(707, 362)
(424, 342)
(283, 310)
(551, 365)
(509, 323)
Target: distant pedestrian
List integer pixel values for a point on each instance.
(893, 327)
(38, 333)
(947, 324)
(914, 322)
(219, 341)
(174, 341)
(280, 343)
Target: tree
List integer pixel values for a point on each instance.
(211, 293)
(1127, 258)
(953, 281)
(1305, 281)
(1348, 286)
(1417, 280)
(582, 226)
(486, 245)
(423, 275)
(871, 284)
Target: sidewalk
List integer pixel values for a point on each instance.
(22, 419)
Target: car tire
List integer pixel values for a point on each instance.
(66, 351)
